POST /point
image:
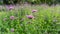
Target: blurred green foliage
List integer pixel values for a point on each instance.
(32, 1)
(45, 22)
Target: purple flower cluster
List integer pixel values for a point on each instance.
(34, 11)
(12, 17)
(10, 7)
(30, 16)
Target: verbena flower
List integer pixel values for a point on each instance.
(10, 7)
(34, 10)
(12, 29)
(12, 17)
(30, 16)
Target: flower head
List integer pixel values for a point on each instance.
(30, 16)
(34, 10)
(12, 29)
(12, 17)
(10, 7)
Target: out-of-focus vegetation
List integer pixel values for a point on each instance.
(15, 21)
(27, 19)
(49, 2)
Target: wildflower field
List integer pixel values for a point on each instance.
(39, 19)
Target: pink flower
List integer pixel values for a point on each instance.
(12, 29)
(34, 10)
(30, 16)
(12, 17)
(10, 7)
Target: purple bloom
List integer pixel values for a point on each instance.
(12, 17)
(12, 29)
(10, 7)
(34, 10)
(30, 16)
